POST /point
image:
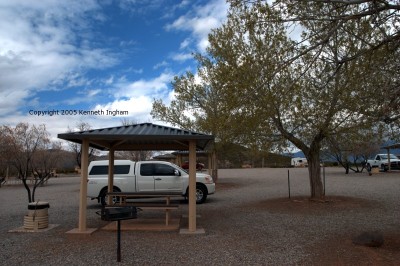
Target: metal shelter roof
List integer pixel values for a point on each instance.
(145, 136)
(393, 146)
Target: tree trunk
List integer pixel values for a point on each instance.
(27, 189)
(314, 171)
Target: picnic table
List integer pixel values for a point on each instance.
(121, 199)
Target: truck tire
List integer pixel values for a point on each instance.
(102, 195)
(384, 168)
(201, 193)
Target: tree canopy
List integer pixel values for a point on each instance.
(276, 74)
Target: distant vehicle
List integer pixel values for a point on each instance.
(199, 166)
(145, 176)
(382, 161)
(299, 162)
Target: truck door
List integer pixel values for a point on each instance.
(145, 179)
(167, 178)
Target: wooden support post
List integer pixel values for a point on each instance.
(210, 164)
(110, 174)
(84, 180)
(192, 186)
(214, 167)
(167, 212)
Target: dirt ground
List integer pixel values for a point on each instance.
(337, 249)
(346, 253)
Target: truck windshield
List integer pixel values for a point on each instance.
(181, 169)
(391, 156)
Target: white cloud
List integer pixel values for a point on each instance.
(136, 97)
(151, 87)
(138, 107)
(185, 43)
(110, 80)
(201, 21)
(39, 46)
(49, 44)
(161, 64)
(181, 56)
(128, 43)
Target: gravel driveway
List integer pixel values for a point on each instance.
(249, 221)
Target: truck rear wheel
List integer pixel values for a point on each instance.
(103, 199)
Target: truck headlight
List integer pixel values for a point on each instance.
(209, 179)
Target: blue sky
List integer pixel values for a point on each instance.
(86, 55)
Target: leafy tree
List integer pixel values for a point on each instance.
(204, 102)
(380, 32)
(202, 106)
(308, 90)
(287, 90)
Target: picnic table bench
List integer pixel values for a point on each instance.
(121, 199)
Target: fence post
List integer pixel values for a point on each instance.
(288, 179)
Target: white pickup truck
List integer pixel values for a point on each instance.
(382, 161)
(145, 176)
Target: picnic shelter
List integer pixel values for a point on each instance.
(144, 136)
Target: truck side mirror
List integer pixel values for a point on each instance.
(177, 173)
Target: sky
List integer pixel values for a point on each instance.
(96, 61)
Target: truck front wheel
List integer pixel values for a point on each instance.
(201, 193)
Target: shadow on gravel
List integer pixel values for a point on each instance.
(305, 205)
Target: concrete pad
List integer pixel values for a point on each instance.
(23, 230)
(86, 232)
(145, 225)
(199, 231)
(375, 170)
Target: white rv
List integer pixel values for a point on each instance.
(299, 162)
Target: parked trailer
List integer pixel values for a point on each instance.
(299, 162)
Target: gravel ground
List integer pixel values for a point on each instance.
(249, 221)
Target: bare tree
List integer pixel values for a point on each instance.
(4, 151)
(24, 144)
(134, 155)
(352, 151)
(44, 164)
(77, 148)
